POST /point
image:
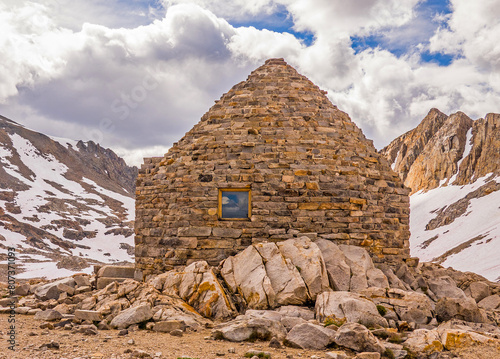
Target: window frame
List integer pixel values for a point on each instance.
(234, 189)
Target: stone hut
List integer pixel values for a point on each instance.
(272, 159)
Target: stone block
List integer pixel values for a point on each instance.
(90, 315)
(104, 281)
(111, 271)
(194, 231)
(227, 232)
(169, 325)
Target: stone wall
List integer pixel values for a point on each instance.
(310, 170)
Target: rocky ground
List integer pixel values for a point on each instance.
(338, 305)
(109, 344)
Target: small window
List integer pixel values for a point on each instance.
(234, 203)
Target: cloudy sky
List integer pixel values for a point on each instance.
(135, 75)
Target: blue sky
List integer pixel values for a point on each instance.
(135, 75)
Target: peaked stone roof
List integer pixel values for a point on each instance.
(309, 167)
(277, 103)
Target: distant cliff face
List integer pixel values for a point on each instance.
(63, 203)
(454, 149)
(452, 165)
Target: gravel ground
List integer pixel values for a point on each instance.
(108, 344)
(30, 340)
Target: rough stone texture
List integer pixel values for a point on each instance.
(307, 259)
(309, 168)
(424, 341)
(309, 336)
(90, 315)
(245, 273)
(339, 272)
(459, 308)
(478, 291)
(491, 302)
(456, 339)
(408, 306)
(295, 311)
(133, 315)
(169, 325)
(51, 290)
(285, 279)
(445, 287)
(357, 337)
(249, 329)
(351, 306)
(198, 286)
(48, 315)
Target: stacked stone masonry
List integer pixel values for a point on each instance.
(309, 168)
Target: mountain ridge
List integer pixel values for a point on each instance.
(64, 204)
(452, 166)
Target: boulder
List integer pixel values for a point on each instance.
(48, 315)
(491, 302)
(394, 281)
(294, 311)
(22, 289)
(290, 322)
(363, 272)
(81, 280)
(285, 278)
(169, 325)
(457, 339)
(245, 274)
(409, 306)
(309, 336)
(339, 272)
(478, 291)
(445, 287)
(249, 329)
(51, 290)
(200, 288)
(90, 315)
(459, 308)
(336, 355)
(306, 257)
(424, 341)
(103, 282)
(114, 271)
(132, 315)
(351, 306)
(266, 314)
(357, 337)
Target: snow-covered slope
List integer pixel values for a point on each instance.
(64, 205)
(452, 165)
(469, 242)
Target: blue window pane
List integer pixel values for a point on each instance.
(234, 204)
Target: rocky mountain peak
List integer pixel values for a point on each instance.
(452, 166)
(63, 199)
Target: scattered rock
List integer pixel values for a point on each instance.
(357, 337)
(131, 316)
(274, 343)
(309, 336)
(351, 306)
(458, 308)
(249, 329)
(169, 325)
(424, 341)
(48, 315)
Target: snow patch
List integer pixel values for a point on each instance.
(481, 218)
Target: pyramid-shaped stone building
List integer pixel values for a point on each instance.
(272, 159)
